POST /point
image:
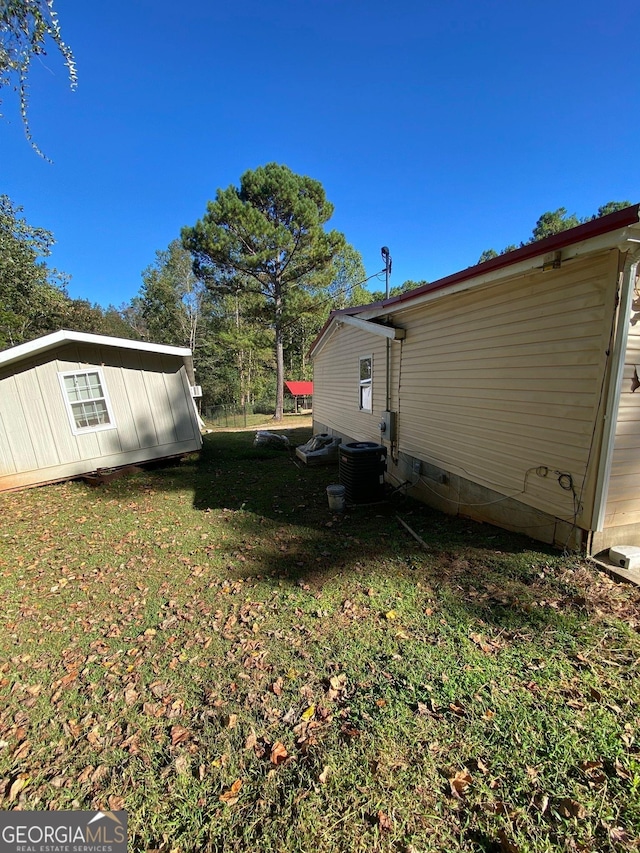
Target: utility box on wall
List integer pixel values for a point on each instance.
(388, 426)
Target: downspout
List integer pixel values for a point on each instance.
(387, 270)
(387, 405)
(615, 389)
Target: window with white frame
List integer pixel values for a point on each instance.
(87, 402)
(365, 389)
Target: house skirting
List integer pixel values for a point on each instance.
(455, 495)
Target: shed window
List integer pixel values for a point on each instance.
(87, 402)
(365, 390)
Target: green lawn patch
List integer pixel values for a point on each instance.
(207, 646)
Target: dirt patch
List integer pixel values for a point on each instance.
(270, 425)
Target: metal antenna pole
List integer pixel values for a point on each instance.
(384, 251)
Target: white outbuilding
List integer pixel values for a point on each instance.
(73, 403)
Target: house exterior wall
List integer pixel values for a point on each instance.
(622, 511)
(336, 385)
(499, 391)
(150, 399)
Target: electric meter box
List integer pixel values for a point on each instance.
(625, 556)
(388, 426)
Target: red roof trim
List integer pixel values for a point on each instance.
(300, 389)
(593, 228)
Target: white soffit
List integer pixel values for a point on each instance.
(378, 329)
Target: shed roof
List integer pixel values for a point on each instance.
(300, 389)
(48, 342)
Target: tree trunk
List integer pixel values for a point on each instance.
(279, 412)
(242, 379)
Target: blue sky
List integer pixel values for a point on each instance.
(437, 129)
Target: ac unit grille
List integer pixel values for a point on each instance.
(362, 467)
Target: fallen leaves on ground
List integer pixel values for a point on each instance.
(488, 646)
(337, 687)
(231, 796)
(459, 783)
(179, 734)
(568, 808)
(279, 753)
(172, 665)
(384, 822)
(506, 845)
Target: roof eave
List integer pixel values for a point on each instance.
(615, 229)
(612, 228)
(55, 339)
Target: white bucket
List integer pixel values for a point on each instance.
(336, 498)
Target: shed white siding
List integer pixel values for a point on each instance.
(151, 403)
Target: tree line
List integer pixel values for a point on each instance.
(553, 222)
(247, 287)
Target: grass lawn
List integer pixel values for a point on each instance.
(208, 647)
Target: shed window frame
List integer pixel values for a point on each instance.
(365, 385)
(91, 401)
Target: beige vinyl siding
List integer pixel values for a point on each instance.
(336, 384)
(623, 499)
(396, 361)
(502, 380)
(150, 400)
